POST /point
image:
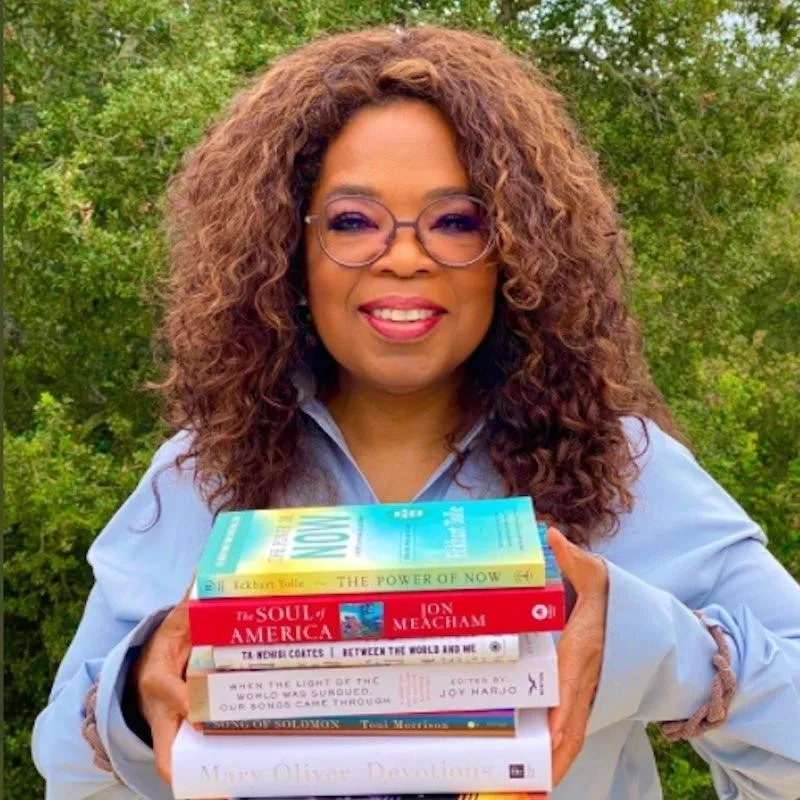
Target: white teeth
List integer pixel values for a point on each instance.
(396, 315)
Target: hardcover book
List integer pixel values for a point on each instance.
(274, 766)
(249, 622)
(500, 722)
(531, 682)
(397, 547)
(433, 650)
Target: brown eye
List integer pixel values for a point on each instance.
(467, 223)
(350, 221)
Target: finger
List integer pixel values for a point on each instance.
(575, 664)
(185, 599)
(569, 681)
(568, 726)
(173, 637)
(177, 650)
(164, 732)
(179, 616)
(551, 720)
(162, 693)
(175, 692)
(578, 567)
(565, 754)
(573, 734)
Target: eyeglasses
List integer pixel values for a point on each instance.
(355, 231)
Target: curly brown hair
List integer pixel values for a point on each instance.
(562, 363)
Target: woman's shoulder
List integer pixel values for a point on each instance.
(683, 520)
(646, 440)
(673, 490)
(147, 553)
(176, 445)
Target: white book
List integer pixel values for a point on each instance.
(530, 682)
(276, 766)
(374, 652)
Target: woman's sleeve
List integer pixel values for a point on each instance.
(142, 561)
(689, 546)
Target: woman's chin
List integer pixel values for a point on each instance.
(404, 378)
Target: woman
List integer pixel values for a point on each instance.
(396, 275)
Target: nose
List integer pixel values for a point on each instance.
(405, 256)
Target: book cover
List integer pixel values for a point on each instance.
(500, 722)
(274, 766)
(396, 547)
(261, 621)
(530, 682)
(432, 650)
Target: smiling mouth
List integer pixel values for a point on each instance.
(402, 325)
(402, 315)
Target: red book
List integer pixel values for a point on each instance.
(256, 621)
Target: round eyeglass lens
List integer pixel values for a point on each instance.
(455, 230)
(355, 230)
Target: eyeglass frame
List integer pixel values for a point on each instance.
(313, 219)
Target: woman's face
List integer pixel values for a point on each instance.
(401, 154)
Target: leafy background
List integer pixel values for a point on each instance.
(693, 106)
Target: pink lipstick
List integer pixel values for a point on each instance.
(400, 318)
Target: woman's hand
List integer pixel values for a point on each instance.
(158, 678)
(580, 650)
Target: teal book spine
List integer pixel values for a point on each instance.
(502, 722)
(463, 545)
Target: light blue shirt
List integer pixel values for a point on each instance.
(686, 545)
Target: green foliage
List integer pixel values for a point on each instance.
(63, 483)
(692, 105)
(745, 420)
(681, 770)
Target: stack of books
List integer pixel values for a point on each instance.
(327, 642)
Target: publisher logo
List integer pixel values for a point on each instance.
(540, 612)
(516, 770)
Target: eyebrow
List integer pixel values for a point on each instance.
(368, 191)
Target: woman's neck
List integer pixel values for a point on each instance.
(371, 419)
(397, 441)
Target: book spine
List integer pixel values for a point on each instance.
(396, 579)
(480, 723)
(530, 682)
(454, 765)
(435, 650)
(450, 796)
(258, 622)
